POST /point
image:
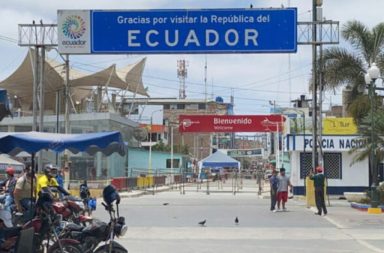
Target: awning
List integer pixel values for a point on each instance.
(32, 142)
(6, 161)
(218, 159)
(20, 82)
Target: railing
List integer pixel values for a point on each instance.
(144, 181)
(95, 187)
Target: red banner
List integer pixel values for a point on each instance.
(231, 123)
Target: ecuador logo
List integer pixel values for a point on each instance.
(73, 27)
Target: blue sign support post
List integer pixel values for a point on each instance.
(194, 31)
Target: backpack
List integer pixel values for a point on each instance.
(92, 203)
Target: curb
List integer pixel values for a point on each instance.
(366, 207)
(136, 194)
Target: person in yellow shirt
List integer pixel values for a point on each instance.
(48, 183)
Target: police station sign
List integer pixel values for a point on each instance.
(329, 142)
(179, 31)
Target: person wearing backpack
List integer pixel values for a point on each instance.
(85, 195)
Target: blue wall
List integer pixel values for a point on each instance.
(138, 160)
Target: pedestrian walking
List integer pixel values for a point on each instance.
(273, 182)
(282, 190)
(85, 195)
(259, 179)
(319, 182)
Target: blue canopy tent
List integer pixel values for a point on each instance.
(32, 142)
(218, 160)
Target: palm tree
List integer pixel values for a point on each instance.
(365, 129)
(345, 67)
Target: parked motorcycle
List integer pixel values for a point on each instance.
(72, 209)
(45, 225)
(92, 235)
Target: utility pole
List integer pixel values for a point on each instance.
(314, 83)
(307, 35)
(39, 36)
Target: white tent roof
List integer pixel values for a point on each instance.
(6, 161)
(20, 82)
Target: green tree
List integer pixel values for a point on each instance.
(160, 146)
(365, 129)
(346, 67)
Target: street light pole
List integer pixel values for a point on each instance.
(370, 78)
(278, 146)
(172, 154)
(150, 149)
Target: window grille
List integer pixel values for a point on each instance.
(332, 165)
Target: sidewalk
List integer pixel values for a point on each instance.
(149, 191)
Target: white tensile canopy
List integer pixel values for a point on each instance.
(20, 82)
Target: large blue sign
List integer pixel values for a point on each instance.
(194, 31)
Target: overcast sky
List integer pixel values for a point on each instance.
(253, 79)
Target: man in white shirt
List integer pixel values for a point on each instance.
(282, 189)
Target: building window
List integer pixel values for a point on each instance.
(202, 107)
(176, 163)
(191, 107)
(332, 165)
(305, 164)
(180, 106)
(167, 107)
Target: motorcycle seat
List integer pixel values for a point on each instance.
(74, 227)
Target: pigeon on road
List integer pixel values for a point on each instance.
(165, 204)
(202, 223)
(237, 221)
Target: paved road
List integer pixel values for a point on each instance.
(154, 227)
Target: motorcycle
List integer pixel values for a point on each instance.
(45, 225)
(72, 209)
(45, 237)
(92, 235)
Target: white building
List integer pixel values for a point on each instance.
(342, 173)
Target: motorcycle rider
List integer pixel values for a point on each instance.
(22, 192)
(47, 183)
(9, 186)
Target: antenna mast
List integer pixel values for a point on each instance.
(182, 74)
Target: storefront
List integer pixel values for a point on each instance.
(343, 175)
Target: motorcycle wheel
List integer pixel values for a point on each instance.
(68, 247)
(114, 250)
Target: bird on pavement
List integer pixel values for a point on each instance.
(202, 223)
(237, 221)
(165, 204)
